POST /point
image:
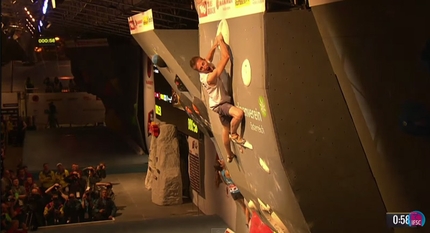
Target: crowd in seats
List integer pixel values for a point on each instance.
(59, 197)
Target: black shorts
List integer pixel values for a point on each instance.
(236, 196)
(223, 112)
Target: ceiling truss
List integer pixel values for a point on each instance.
(79, 18)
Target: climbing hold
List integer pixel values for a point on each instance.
(246, 72)
(224, 30)
(264, 165)
(158, 61)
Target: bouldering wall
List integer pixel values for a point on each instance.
(253, 181)
(164, 174)
(318, 144)
(303, 170)
(377, 50)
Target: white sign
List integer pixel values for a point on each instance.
(141, 22)
(215, 10)
(77, 108)
(193, 146)
(9, 100)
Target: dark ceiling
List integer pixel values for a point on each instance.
(72, 18)
(89, 18)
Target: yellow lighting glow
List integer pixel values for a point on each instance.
(57, 38)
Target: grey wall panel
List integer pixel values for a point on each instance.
(322, 153)
(152, 44)
(182, 44)
(375, 51)
(246, 38)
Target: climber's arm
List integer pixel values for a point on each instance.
(211, 53)
(225, 57)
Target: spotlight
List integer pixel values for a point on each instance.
(57, 38)
(25, 8)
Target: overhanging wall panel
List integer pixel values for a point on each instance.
(376, 53)
(182, 45)
(152, 44)
(245, 36)
(318, 142)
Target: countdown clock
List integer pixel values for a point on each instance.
(398, 219)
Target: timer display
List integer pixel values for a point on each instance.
(406, 219)
(46, 41)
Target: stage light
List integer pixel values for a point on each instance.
(25, 8)
(41, 23)
(45, 7)
(54, 5)
(33, 20)
(57, 38)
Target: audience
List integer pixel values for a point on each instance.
(61, 198)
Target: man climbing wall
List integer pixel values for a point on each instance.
(219, 99)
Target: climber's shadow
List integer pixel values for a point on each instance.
(230, 88)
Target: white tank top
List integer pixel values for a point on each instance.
(217, 93)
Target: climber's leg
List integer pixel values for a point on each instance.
(237, 116)
(226, 141)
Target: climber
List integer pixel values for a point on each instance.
(220, 100)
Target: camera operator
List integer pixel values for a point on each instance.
(101, 171)
(53, 212)
(92, 177)
(35, 208)
(72, 209)
(76, 184)
(56, 190)
(87, 205)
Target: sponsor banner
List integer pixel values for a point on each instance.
(9, 100)
(148, 97)
(215, 10)
(87, 43)
(76, 108)
(321, 2)
(141, 22)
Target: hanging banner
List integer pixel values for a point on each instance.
(141, 22)
(148, 98)
(215, 10)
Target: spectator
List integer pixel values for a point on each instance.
(61, 174)
(29, 185)
(57, 85)
(46, 177)
(29, 85)
(75, 168)
(6, 218)
(27, 172)
(48, 85)
(87, 205)
(104, 207)
(22, 177)
(72, 209)
(72, 85)
(53, 212)
(36, 207)
(6, 181)
(22, 126)
(77, 184)
(19, 192)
